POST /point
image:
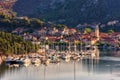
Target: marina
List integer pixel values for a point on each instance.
(84, 69)
(54, 56)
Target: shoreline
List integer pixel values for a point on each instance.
(2, 59)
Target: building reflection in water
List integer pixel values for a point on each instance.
(84, 69)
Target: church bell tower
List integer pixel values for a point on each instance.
(97, 33)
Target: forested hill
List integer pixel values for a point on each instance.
(13, 44)
(70, 12)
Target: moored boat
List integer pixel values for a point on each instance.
(47, 62)
(26, 61)
(11, 60)
(36, 61)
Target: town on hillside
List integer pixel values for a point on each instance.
(73, 35)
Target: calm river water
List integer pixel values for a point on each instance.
(105, 68)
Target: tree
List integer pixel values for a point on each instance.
(110, 31)
(87, 30)
(36, 22)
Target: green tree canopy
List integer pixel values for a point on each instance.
(87, 30)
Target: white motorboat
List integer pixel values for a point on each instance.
(26, 61)
(47, 62)
(66, 56)
(36, 61)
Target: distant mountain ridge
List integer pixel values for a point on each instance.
(70, 12)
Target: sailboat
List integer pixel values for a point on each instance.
(76, 55)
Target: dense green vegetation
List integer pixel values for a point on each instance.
(9, 23)
(12, 44)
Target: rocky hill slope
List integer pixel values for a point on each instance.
(70, 12)
(6, 6)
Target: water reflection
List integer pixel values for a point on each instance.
(86, 69)
(83, 69)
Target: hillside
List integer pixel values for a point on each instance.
(70, 12)
(6, 7)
